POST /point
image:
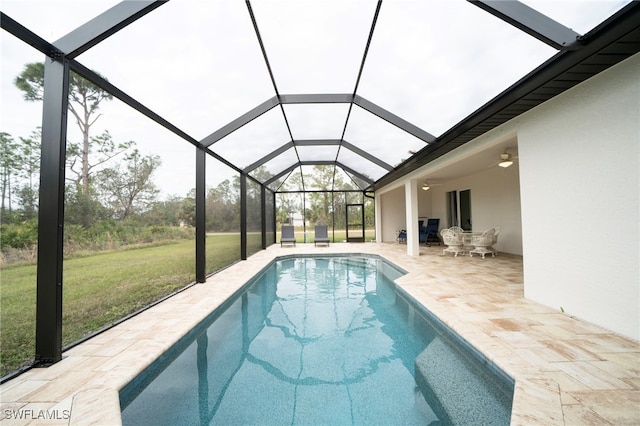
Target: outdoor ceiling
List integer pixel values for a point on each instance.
(275, 87)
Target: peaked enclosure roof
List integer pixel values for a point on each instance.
(362, 91)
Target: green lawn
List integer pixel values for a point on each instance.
(100, 289)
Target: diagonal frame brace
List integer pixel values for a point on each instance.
(532, 22)
(104, 25)
(393, 119)
(273, 154)
(240, 121)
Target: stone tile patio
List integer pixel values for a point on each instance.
(567, 371)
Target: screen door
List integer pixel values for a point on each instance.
(355, 223)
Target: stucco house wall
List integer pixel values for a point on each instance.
(392, 216)
(570, 206)
(579, 173)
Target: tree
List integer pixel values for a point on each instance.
(102, 149)
(174, 211)
(289, 203)
(84, 103)
(83, 208)
(286, 204)
(130, 189)
(30, 169)
(86, 208)
(322, 179)
(261, 174)
(9, 165)
(223, 206)
(323, 204)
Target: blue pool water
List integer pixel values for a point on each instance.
(320, 340)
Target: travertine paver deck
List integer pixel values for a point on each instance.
(567, 371)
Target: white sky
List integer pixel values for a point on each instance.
(198, 64)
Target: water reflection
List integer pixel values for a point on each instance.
(315, 341)
(325, 330)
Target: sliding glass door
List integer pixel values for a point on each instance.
(459, 209)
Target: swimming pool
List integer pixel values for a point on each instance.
(320, 340)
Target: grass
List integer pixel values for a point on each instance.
(100, 289)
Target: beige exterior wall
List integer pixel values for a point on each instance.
(570, 205)
(579, 166)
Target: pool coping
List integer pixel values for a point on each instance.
(84, 387)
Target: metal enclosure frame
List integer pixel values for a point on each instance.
(579, 58)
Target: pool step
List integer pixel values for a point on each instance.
(457, 393)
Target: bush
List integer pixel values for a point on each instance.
(18, 242)
(19, 235)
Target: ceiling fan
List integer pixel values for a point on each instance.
(505, 160)
(426, 185)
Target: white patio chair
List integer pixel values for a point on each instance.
(453, 241)
(482, 243)
(466, 238)
(495, 240)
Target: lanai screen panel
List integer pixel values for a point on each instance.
(18, 292)
(317, 152)
(254, 218)
(318, 178)
(343, 181)
(359, 182)
(275, 166)
(293, 182)
(360, 164)
(380, 138)
(434, 62)
(314, 47)
(197, 63)
(270, 217)
(316, 121)
(254, 140)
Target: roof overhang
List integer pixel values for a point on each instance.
(611, 42)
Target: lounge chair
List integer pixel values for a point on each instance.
(432, 231)
(321, 236)
(287, 235)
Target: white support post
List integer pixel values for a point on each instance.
(411, 197)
